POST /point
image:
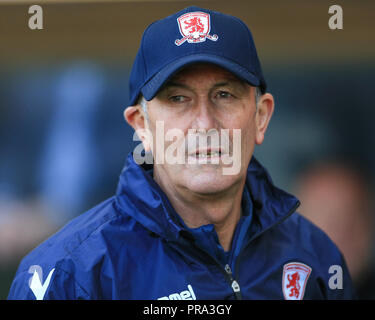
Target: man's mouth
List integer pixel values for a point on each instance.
(207, 155)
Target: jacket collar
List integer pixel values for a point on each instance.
(139, 196)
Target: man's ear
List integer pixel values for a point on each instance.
(264, 113)
(134, 116)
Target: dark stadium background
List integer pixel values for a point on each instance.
(63, 89)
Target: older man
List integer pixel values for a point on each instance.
(204, 221)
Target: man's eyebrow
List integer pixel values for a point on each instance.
(229, 83)
(233, 83)
(175, 84)
(222, 84)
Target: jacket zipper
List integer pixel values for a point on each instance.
(227, 269)
(234, 284)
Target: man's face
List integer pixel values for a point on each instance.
(207, 99)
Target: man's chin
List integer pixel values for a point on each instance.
(208, 183)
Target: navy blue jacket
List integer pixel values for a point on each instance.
(135, 246)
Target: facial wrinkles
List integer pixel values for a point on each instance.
(202, 114)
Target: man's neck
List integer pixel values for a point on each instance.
(222, 210)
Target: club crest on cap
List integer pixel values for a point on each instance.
(295, 276)
(194, 27)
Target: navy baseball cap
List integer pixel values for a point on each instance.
(189, 36)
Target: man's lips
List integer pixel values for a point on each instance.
(209, 152)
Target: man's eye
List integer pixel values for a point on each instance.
(224, 94)
(178, 98)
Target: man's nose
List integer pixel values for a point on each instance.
(205, 117)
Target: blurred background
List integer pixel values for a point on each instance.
(63, 89)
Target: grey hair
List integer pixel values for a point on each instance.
(143, 102)
(258, 94)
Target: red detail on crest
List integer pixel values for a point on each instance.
(195, 25)
(293, 284)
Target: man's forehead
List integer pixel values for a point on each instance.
(207, 70)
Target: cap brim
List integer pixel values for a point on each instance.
(151, 88)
